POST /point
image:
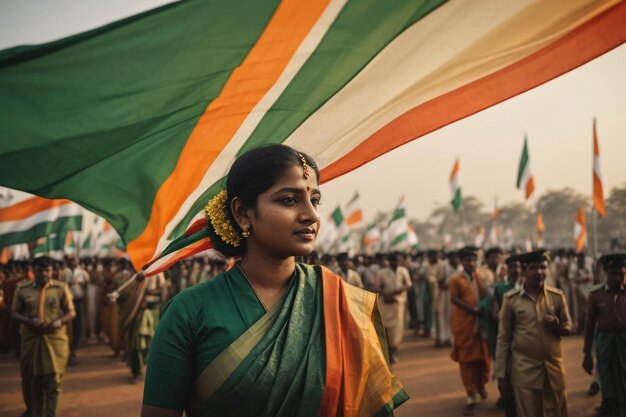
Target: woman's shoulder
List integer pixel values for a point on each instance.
(200, 294)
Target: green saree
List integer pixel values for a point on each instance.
(218, 353)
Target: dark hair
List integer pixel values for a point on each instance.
(43, 261)
(253, 173)
(496, 250)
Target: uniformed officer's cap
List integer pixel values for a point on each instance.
(512, 259)
(467, 251)
(613, 260)
(540, 255)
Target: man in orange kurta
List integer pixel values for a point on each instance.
(470, 347)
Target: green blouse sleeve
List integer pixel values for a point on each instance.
(169, 375)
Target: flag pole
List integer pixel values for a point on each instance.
(594, 215)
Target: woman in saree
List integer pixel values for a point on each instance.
(270, 337)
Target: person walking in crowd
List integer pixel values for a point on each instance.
(43, 307)
(470, 348)
(513, 281)
(394, 282)
(270, 330)
(137, 324)
(606, 319)
(436, 279)
(493, 270)
(347, 271)
(582, 279)
(533, 319)
(77, 282)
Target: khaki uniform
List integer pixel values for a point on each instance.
(43, 356)
(531, 353)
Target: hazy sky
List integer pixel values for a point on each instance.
(557, 117)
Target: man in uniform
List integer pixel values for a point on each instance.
(606, 310)
(43, 307)
(533, 319)
(470, 346)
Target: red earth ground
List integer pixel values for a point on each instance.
(99, 385)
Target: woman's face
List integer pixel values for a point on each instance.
(286, 221)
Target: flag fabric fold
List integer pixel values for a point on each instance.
(540, 227)
(371, 238)
(354, 213)
(162, 102)
(525, 179)
(37, 217)
(399, 233)
(455, 187)
(598, 193)
(580, 230)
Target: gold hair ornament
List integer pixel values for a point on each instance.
(305, 167)
(215, 212)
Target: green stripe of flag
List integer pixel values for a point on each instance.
(87, 243)
(522, 163)
(399, 239)
(124, 96)
(397, 214)
(456, 201)
(337, 216)
(362, 29)
(60, 225)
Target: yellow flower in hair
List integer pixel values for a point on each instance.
(215, 212)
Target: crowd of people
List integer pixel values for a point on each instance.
(510, 309)
(460, 299)
(84, 296)
(296, 333)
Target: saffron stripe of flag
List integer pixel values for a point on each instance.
(525, 179)
(372, 236)
(37, 217)
(354, 214)
(598, 193)
(496, 210)
(580, 230)
(455, 187)
(540, 227)
(345, 81)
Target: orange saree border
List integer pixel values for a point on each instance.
(359, 381)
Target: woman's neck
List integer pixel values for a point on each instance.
(268, 273)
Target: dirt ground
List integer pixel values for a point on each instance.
(99, 385)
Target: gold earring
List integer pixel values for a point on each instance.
(246, 231)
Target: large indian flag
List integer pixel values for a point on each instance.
(140, 119)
